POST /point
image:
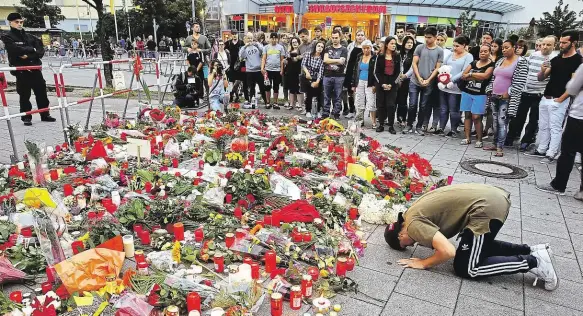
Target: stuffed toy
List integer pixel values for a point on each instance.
(444, 77)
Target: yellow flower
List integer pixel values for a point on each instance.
(176, 252)
(387, 197)
(260, 171)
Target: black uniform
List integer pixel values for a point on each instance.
(18, 44)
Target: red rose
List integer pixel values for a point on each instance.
(228, 198)
(229, 175)
(250, 198)
(243, 203)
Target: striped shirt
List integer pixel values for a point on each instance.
(315, 65)
(534, 65)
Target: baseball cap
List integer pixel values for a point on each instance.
(14, 16)
(273, 35)
(392, 233)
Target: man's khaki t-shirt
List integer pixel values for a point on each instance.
(453, 208)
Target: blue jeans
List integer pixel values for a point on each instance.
(414, 99)
(332, 90)
(450, 105)
(500, 124)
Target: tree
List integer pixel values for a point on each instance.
(465, 22)
(106, 51)
(556, 23)
(34, 11)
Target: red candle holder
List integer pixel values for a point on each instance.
(251, 146)
(248, 260)
(341, 267)
(230, 240)
(267, 220)
(353, 213)
(201, 164)
(270, 261)
(145, 237)
(199, 235)
(307, 237)
(219, 261)
(170, 228)
(276, 304)
(240, 233)
(54, 175)
(26, 232)
(148, 187)
(193, 302)
(196, 181)
(138, 228)
(51, 274)
(350, 262)
(179, 231)
(297, 236)
(314, 273)
(77, 146)
(46, 286)
(174, 163)
(255, 270)
(67, 189)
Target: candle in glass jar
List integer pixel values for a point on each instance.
(51, 274)
(67, 189)
(145, 237)
(77, 146)
(353, 213)
(314, 273)
(54, 175)
(307, 285)
(175, 163)
(46, 286)
(295, 297)
(341, 267)
(198, 234)
(201, 164)
(350, 262)
(193, 302)
(219, 261)
(307, 237)
(138, 228)
(139, 256)
(297, 236)
(276, 304)
(255, 270)
(128, 245)
(270, 261)
(179, 231)
(229, 240)
(142, 268)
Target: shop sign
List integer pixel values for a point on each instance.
(237, 18)
(335, 8)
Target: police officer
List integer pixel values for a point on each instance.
(26, 50)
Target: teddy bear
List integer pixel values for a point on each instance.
(444, 77)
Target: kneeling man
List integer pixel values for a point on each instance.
(477, 212)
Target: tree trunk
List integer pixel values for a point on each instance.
(106, 51)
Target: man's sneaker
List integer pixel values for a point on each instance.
(268, 106)
(578, 196)
(287, 105)
(524, 147)
(420, 131)
(451, 134)
(309, 115)
(547, 160)
(350, 115)
(549, 189)
(545, 269)
(534, 153)
(538, 247)
(409, 130)
(303, 112)
(276, 106)
(336, 116)
(438, 131)
(27, 123)
(432, 130)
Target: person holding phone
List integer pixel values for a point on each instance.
(218, 84)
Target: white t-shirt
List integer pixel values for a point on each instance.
(222, 57)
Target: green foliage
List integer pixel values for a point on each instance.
(241, 184)
(212, 156)
(560, 20)
(30, 260)
(104, 229)
(34, 11)
(6, 229)
(466, 21)
(132, 213)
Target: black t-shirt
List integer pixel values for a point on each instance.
(335, 70)
(194, 59)
(562, 70)
(478, 87)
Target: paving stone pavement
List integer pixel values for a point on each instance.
(385, 288)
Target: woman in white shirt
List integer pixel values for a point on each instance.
(223, 55)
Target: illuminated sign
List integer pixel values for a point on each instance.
(335, 8)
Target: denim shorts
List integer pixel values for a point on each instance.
(474, 103)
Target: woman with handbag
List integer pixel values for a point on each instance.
(450, 93)
(363, 84)
(387, 70)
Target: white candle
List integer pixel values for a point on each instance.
(20, 165)
(115, 198)
(128, 245)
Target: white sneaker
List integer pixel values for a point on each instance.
(246, 105)
(350, 115)
(303, 112)
(545, 269)
(319, 115)
(538, 247)
(309, 115)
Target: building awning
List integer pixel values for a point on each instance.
(478, 5)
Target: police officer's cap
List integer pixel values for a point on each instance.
(14, 16)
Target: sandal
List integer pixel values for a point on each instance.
(490, 148)
(465, 142)
(479, 145)
(499, 153)
(374, 126)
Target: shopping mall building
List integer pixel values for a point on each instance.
(383, 16)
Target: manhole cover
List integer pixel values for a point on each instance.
(494, 169)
